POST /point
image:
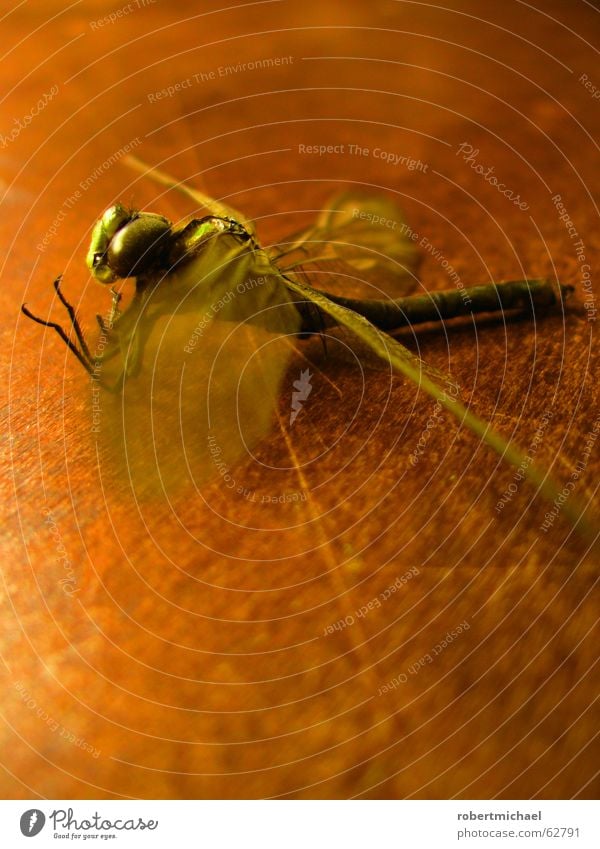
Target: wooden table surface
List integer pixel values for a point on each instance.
(185, 649)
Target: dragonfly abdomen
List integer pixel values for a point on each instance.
(438, 306)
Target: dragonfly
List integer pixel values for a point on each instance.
(192, 368)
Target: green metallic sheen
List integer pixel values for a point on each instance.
(111, 221)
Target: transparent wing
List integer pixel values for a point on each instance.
(214, 207)
(342, 238)
(360, 236)
(203, 354)
(442, 390)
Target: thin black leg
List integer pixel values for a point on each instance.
(73, 317)
(73, 348)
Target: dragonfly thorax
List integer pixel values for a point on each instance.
(126, 243)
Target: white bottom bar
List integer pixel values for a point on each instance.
(300, 824)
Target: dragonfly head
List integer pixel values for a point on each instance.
(126, 243)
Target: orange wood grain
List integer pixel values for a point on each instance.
(183, 650)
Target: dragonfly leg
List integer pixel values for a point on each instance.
(73, 318)
(84, 355)
(313, 323)
(115, 312)
(105, 329)
(85, 362)
(97, 359)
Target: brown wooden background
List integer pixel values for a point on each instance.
(185, 655)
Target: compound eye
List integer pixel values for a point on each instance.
(105, 228)
(138, 245)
